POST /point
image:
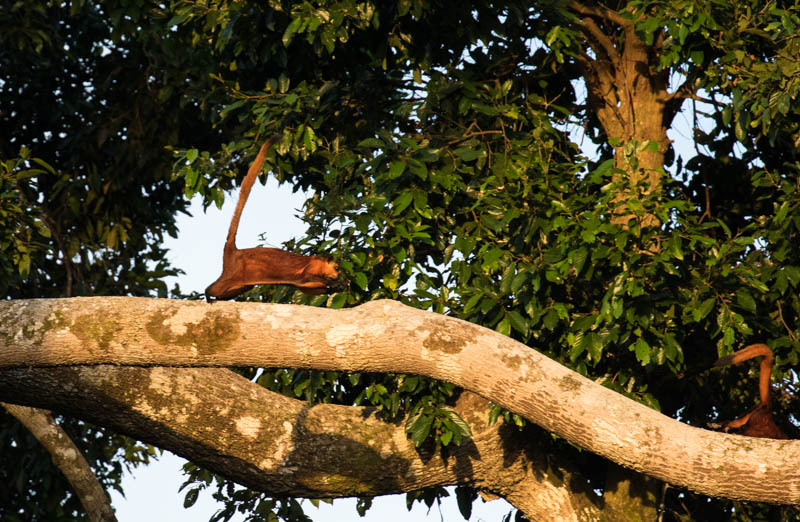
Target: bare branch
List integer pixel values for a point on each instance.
(687, 92)
(603, 40)
(68, 458)
(600, 12)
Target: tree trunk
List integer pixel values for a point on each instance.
(629, 96)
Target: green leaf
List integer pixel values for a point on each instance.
(472, 303)
(595, 346)
(459, 425)
(576, 349)
(579, 258)
(550, 319)
(361, 280)
(675, 248)
(337, 300)
(191, 497)
(727, 112)
(410, 383)
(504, 327)
(745, 300)
(491, 222)
(468, 153)
(621, 240)
(520, 279)
(401, 202)
(372, 143)
(552, 35)
(291, 29)
(642, 350)
(781, 282)
(192, 175)
(494, 414)
(759, 285)
(683, 32)
(421, 204)
(671, 347)
(24, 265)
(705, 307)
(518, 322)
(507, 279)
(231, 107)
(419, 427)
(741, 128)
(390, 282)
(46, 166)
(491, 257)
(793, 274)
(309, 139)
(396, 169)
(464, 498)
(782, 213)
(552, 255)
(728, 336)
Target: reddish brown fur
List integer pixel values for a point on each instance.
(243, 269)
(758, 422)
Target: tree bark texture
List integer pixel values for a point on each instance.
(381, 336)
(67, 458)
(283, 446)
(628, 92)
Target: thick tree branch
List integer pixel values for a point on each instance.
(385, 336)
(595, 34)
(602, 93)
(600, 11)
(283, 446)
(67, 458)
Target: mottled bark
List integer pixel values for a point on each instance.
(385, 336)
(283, 446)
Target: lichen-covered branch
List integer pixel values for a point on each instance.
(386, 336)
(283, 446)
